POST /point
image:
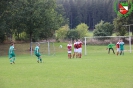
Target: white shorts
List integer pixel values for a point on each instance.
(80, 50)
(69, 51)
(75, 50)
(118, 49)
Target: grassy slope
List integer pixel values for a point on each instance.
(96, 70)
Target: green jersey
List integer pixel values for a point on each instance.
(111, 45)
(11, 50)
(121, 45)
(36, 51)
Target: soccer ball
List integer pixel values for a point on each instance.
(60, 46)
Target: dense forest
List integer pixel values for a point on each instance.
(88, 11)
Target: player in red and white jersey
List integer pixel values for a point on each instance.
(69, 47)
(75, 49)
(118, 47)
(79, 48)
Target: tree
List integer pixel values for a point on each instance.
(82, 30)
(88, 11)
(118, 25)
(103, 29)
(72, 34)
(62, 32)
(5, 18)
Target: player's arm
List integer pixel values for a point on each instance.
(14, 48)
(113, 44)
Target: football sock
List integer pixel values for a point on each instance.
(73, 55)
(40, 60)
(14, 59)
(11, 60)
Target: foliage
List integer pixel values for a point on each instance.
(2, 36)
(62, 32)
(73, 34)
(33, 17)
(119, 23)
(82, 30)
(103, 29)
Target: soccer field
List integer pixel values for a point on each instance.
(95, 70)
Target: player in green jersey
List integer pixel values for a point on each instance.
(121, 47)
(11, 54)
(110, 47)
(37, 53)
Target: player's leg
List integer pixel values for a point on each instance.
(73, 54)
(68, 54)
(118, 51)
(76, 53)
(13, 59)
(123, 52)
(109, 51)
(113, 50)
(80, 52)
(37, 58)
(10, 58)
(40, 59)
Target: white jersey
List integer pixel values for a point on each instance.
(69, 47)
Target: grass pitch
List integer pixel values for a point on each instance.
(95, 70)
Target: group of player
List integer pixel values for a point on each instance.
(119, 47)
(12, 55)
(77, 49)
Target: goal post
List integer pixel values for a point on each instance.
(98, 40)
(46, 48)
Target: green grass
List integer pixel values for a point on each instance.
(95, 70)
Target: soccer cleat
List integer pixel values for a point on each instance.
(13, 62)
(38, 61)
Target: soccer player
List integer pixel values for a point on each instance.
(69, 47)
(12, 54)
(110, 47)
(37, 53)
(75, 49)
(121, 47)
(79, 48)
(118, 47)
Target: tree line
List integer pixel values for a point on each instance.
(89, 12)
(39, 19)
